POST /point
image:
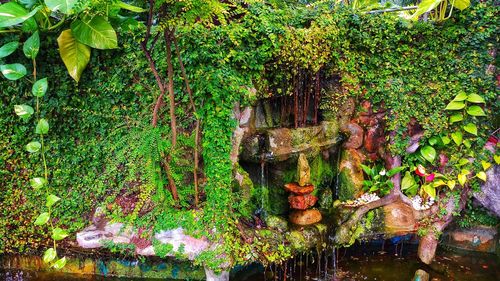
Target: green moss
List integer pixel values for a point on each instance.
(347, 187)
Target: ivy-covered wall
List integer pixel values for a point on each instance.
(97, 149)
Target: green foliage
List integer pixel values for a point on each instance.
(474, 216)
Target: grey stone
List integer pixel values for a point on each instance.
(489, 196)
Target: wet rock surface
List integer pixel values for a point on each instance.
(478, 239)
(295, 188)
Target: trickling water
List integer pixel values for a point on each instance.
(263, 185)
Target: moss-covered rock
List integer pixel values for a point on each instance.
(277, 222)
(351, 175)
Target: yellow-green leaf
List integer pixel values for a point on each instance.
(461, 4)
(481, 175)
(470, 128)
(486, 165)
(430, 190)
(497, 159)
(457, 137)
(475, 110)
(475, 98)
(455, 105)
(74, 54)
(462, 179)
(451, 184)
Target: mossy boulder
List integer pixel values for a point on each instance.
(351, 175)
(277, 222)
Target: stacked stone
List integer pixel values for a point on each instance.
(301, 199)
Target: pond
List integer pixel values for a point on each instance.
(361, 262)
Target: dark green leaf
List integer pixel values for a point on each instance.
(8, 49)
(429, 153)
(32, 46)
(40, 88)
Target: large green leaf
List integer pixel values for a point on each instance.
(8, 49)
(13, 71)
(12, 13)
(475, 98)
(461, 4)
(74, 54)
(95, 31)
(470, 128)
(65, 6)
(475, 110)
(455, 105)
(32, 46)
(429, 153)
(40, 88)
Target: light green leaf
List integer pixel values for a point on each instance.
(424, 7)
(59, 264)
(129, 7)
(51, 200)
(475, 98)
(467, 143)
(33, 146)
(446, 140)
(475, 111)
(49, 255)
(74, 54)
(408, 181)
(367, 170)
(434, 140)
(42, 127)
(456, 118)
(430, 190)
(24, 111)
(42, 219)
(461, 4)
(455, 105)
(463, 161)
(94, 31)
(37, 183)
(470, 128)
(8, 49)
(428, 152)
(31, 46)
(59, 234)
(460, 97)
(65, 6)
(481, 175)
(11, 13)
(40, 88)
(13, 71)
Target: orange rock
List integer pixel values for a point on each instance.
(295, 188)
(305, 217)
(302, 202)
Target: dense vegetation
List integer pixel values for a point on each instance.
(114, 144)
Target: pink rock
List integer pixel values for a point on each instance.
(355, 135)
